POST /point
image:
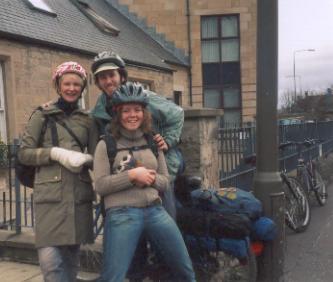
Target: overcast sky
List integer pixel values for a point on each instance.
(306, 24)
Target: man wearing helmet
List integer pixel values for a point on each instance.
(55, 142)
(109, 73)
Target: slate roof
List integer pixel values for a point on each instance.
(72, 29)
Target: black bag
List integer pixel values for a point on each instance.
(26, 173)
(198, 222)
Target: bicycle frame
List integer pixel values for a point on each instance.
(306, 171)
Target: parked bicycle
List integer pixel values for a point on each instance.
(297, 208)
(210, 263)
(307, 173)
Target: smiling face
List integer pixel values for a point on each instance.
(108, 81)
(70, 87)
(131, 116)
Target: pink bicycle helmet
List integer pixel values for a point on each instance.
(69, 67)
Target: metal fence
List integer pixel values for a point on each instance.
(16, 201)
(236, 143)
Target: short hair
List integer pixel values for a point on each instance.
(123, 76)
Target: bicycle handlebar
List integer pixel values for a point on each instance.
(251, 159)
(305, 143)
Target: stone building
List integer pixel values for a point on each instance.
(219, 39)
(195, 52)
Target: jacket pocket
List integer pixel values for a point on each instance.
(48, 188)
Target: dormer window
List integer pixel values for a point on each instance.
(103, 24)
(41, 6)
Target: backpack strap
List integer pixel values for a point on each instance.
(69, 130)
(112, 150)
(42, 132)
(44, 127)
(111, 147)
(54, 132)
(151, 144)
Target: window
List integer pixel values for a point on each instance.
(41, 6)
(177, 97)
(103, 24)
(220, 53)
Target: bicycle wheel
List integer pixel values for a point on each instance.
(297, 210)
(319, 188)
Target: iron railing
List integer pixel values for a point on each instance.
(16, 201)
(236, 143)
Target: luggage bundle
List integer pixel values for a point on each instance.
(229, 217)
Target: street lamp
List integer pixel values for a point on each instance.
(297, 51)
(299, 81)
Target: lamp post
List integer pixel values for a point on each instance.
(267, 181)
(299, 80)
(294, 75)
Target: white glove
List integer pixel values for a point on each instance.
(72, 160)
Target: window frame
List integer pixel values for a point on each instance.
(221, 86)
(102, 23)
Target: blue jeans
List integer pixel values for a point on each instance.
(122, 230)
(59, 264)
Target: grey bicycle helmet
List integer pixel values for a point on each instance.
(129, 93)
(107, 60)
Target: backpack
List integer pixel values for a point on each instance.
(26, 173)
(204, 223)
(228, 201)
(238, 248)
(264, 229)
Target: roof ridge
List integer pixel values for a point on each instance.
(151, 31)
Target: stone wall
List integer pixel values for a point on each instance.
(200, 144)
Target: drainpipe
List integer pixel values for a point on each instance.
(189, 48)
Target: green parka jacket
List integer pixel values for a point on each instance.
(63, 200)
(168, 120)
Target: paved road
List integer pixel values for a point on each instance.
(309, 255)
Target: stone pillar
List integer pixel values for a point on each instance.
(200, 144)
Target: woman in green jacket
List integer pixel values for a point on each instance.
(60, 140)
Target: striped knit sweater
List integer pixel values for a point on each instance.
(117, 189)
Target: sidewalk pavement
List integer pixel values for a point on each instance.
(309, 255)
(19, 272)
